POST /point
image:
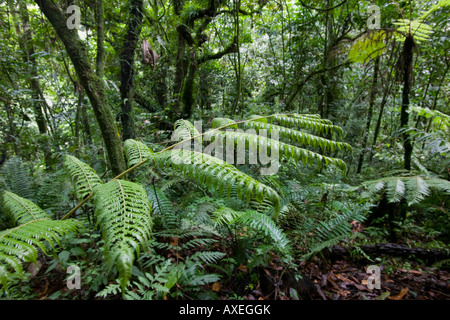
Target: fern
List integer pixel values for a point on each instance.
(21, 210)
(136, 152)
(215, 174)
(221, 122)
(123, 212)
(285, 150)
(35, 230)
(84, 178)
(17, 178)
(412, 188)
(308, 122)
(184, 130)
(328, 233)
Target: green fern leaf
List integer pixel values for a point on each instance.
(35, 231)
(21, 210)
(262, 222)
(215, 174)
(285, 150)
(123, 212)
(300, 137)
(84, 178)
(220, 122)
(308, 122)
(136, 152)
(184, 130)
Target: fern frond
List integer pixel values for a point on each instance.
(300, 137)
(123, 212)
(412, 188)
(308, 122)
(184, 130)
(35, 231)
(220, 122)
(215, 174)
(285, 150)
(225, 216)
(84, 178)
(21, 210)
(262, 222)
(395, 190)
(17, 178)
(136, 152)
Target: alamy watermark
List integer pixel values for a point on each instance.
(373, 22)
(74, 280)
(74, 20)
(232, 147)
(374, 280)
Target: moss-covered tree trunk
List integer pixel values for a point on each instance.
(92, 84)
(127, 67)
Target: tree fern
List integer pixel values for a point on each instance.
(300, 137)
(123, 212)
(84, 178)
(297, 121)
(220, 122)
(35, 230)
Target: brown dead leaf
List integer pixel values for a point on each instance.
(174, 241)
(342, 278)
(216, 286)
(400, 296)
(243, 268)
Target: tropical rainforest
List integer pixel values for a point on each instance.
(224, 150)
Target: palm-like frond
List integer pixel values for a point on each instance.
(123, 212)
(84, 178)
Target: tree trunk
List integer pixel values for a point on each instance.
(369, 113)
(92, 84)
(127, 67)
(100, 62)
(39, 104)
(407, 56)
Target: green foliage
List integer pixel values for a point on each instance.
(84, 178)
(136, 152)
(123, 212)
(34, 230)
(220, 122)
(411, 188)
(16, 177)
(337, 228)
(214, 173)
(368, 47)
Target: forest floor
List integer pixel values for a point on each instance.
(347, 280)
